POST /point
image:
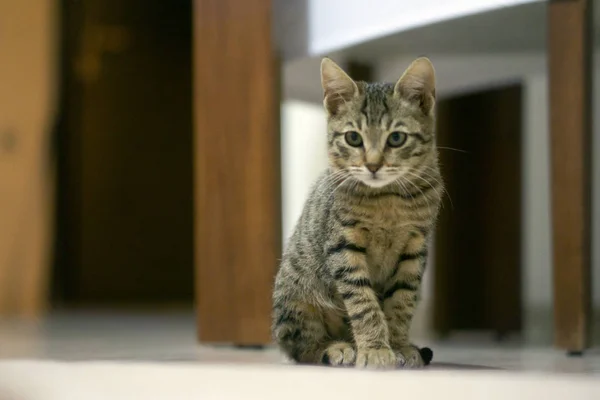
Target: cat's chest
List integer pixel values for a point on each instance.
(384, 245)
(384, 220)
(384, 227)
(386, 233)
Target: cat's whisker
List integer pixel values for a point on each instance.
(402, 188)
(440, 184)
(420, 191)
(331, 180)
(426, 181)
(453, 149)
(337, 183)
(407, 191)
(341, 184)
(355, 183)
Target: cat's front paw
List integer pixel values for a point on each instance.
(339, 354)
(409, 356)
(376, 358)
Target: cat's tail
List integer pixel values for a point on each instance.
(426, 354)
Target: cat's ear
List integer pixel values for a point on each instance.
(338, 87)
(418, 84)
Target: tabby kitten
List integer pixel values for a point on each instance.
(350, 276)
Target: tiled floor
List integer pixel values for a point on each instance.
(171, 338)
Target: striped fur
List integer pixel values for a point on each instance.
(350, 276)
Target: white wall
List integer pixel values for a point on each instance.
(335, 24)
(537, 229)
(464, 72)
(303, 156)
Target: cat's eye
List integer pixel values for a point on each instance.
(354, 139)
(396, 139)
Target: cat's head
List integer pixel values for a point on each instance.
(379, 132)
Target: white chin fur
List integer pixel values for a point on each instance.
(376, 183)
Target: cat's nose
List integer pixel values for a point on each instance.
(373, 167)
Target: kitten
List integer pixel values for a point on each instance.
(350, 276)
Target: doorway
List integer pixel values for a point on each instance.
(477, 284)
(124, 145)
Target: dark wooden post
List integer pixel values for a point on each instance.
(569, 64)
(237, 170)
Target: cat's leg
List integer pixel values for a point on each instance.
(348, 265)
(299, 330)
(400, 301)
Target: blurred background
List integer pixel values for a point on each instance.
(155, 155)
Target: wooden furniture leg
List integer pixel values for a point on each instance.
(569, 77)
(28, 95)
(237, 170)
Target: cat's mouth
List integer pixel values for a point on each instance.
(377, 180)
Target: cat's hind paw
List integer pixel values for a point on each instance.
(410, 357)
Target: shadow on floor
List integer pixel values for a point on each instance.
(447, 366)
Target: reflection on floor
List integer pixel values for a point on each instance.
(171, 338)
